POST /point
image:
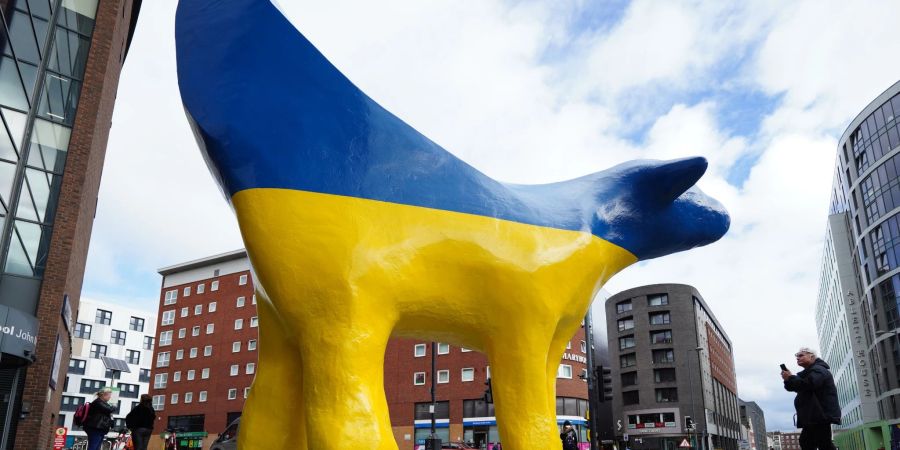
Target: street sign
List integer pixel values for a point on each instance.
(684, 444)
(59, 438)
(625, 437)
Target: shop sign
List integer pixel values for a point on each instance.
(18, 332)
(59, 438)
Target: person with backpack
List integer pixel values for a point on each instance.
(140, 422)
(569, 437)
(99, 418)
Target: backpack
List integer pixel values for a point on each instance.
(81, 414)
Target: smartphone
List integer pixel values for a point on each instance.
(783, 367)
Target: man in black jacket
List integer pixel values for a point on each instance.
(816, 402)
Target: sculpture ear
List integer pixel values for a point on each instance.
(664, 183)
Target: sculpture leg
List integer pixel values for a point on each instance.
(520, 386)
(343, 386)
(273, 418)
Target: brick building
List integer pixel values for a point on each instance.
(59, 74)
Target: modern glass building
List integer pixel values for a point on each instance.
(857, 312)
(58, 77)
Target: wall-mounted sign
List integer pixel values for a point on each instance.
(66, 313)
(57, 359)
(18, 332)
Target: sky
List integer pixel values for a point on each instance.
(542, 91)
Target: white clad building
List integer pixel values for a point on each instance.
(107, 329)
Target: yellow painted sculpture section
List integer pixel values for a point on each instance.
(342, 275)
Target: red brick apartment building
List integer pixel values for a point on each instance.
(205, 359)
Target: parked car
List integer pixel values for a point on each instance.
(228, 439)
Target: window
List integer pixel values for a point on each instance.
(82, 330)
(187, 291)
(133, 357)
(583, 347)
(207, 351)
(190, 374)
(564, 371)
(626, 342)
(188, 397)
(232, 393)
(630, 398)
(657, 300)
(214, 286)
(198, 309)
(185, 311)
(136, 324)
(103, 317)
(251, 344)
(623, 307)
(91, 386)
(666, 355)
(246, 392)
(238, 324)
(569, 345)
(210, 327)
(660, 318)
(77, 366)
(235, 346)
(419, 350)
(442, 348)
(235, 369)
(240, 302)
(165, 338)
(144, 376)
(193, 353)
(168, 317)
(468, 374)
(171, 297)
(176, 377)
(97, 351)
(173, 399)
(242, 280)
(201, 288)
(423, 410)
(443, 376)
(204, 374)
(419, 378)
(148, 343)
(661, 337)
(629, 379)
(195, 330)
(202, 396)
(253, 299)
(626, 323)
(212, 307)
(254, 322)
(464, 350)
(627, 360)
(182, 332)
(160, 380)
(162, 359)
(664, 375)
(179, 354)
(158, 402)
(118, 337)
(250, 369)
(666, 395)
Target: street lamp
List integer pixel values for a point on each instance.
(433, 443)
(691, 385)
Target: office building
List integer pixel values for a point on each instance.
(753, 418)
(673, 374)
(59, 74)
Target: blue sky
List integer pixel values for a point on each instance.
(533, 92)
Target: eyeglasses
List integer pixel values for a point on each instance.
(800, 354)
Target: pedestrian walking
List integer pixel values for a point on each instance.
(569, 437)
(816, 402)
(140, 422)
(99, 419)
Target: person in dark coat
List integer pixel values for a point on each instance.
(99, 419)
(816, 402)
(140, 422)
(569, 437)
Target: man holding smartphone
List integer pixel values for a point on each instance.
(816, 402)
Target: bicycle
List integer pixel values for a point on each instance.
(172, 439)
(120, 442)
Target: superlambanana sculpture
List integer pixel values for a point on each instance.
(359, 228)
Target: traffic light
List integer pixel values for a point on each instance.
(604, 383)
(488, 394)
(688, 423)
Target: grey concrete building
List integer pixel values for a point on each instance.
(754, 419)
(671, 360)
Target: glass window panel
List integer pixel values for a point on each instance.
(29, 75)
(79, 15)
(888, 112)
(879, 119)
(11, 91)
(7, 173)
(41, 27)
(40, 190)
(40, 8)
(28, 249)
(22, 37)
(895, 104)
(59, 99)
(7, 150)
(49, 143)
